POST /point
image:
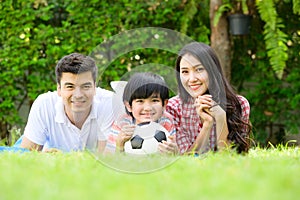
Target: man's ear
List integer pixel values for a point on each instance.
(58, 88)
(128, 107)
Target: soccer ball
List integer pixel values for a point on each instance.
(146, 138)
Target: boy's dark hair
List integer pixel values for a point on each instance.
(75, 63)
(142, 85)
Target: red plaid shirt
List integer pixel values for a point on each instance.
(188, 123)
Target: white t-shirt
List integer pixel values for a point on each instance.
(48, 125)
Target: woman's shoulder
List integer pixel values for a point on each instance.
(166, 116)
(174, 101)
(243, 101)
(245, 106)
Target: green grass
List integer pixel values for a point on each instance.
(262, 174)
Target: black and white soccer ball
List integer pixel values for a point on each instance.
(146, 138)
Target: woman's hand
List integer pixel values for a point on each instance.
(209, 111)
(206, 104)
(124, 135)
(202, 104)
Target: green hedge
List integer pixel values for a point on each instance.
(36, 34)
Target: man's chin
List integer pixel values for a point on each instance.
(79, 110)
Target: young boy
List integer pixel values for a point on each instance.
(145, 97)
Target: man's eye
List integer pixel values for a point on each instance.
(155, 100)
(87, 87)
(139, 100)
(69, 86)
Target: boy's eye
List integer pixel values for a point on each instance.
(156, 100)
(139, 100)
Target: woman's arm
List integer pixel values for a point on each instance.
(221, 126)
(202, 139)
(210, 112)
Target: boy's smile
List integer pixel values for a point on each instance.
(146, 110)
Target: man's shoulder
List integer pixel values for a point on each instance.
(49, 97)
(103, 93)
(103, 101)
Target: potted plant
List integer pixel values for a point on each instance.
(238, 16)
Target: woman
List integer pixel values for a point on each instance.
(208, 114)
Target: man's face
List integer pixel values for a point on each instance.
(77, 92)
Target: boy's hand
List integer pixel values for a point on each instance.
(124, 135)
(169, 147)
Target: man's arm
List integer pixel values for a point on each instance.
(28, 144)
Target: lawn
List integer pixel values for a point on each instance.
(262, 174)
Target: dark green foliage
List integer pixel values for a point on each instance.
(35, 34)
(274, 102)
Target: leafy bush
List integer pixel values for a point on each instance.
(36, 34)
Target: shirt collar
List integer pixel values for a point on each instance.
(61, 116)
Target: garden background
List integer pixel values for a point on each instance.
(264, 64)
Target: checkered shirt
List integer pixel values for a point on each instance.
(188, 123)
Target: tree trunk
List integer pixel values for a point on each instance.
(220, 38)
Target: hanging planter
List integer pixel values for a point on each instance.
(239, 24)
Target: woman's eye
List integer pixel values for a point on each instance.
(184, 72)
(199, 69)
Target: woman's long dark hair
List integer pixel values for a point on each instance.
(221, 91)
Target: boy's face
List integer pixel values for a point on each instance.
(77, 92)
(146, 110)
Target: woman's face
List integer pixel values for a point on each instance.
(193, 76)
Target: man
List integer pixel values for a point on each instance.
(77, 116)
